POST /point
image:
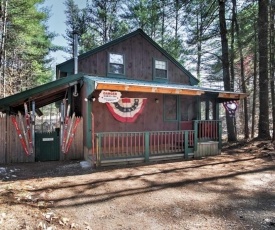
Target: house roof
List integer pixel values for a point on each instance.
(43, 95)
(162, 88)
(68, 65)
(56, 90)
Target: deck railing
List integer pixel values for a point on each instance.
(142, 144)
(162, 142)
(127, 145)
(121, 144)
(208, 130)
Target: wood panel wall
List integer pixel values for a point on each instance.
(139, 55)
(11, 150)
(151, 119)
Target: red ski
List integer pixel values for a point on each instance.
(65, 133)
(22, 140)
(28, 123)
(77, 120)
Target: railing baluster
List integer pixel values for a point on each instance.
(139, 144)
(152, 142)
(131, 145)
(135, 142)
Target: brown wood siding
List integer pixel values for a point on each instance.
(139, 55)
(11, 150)
(151, 118)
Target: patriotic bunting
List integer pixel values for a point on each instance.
(127, 109)
(231, 107)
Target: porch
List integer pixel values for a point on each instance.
(195, 139)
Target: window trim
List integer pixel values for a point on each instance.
(154, 69)
(109, 73)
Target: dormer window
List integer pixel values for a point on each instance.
(116, 64)
(160, 69)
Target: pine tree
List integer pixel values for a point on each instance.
(26, 47)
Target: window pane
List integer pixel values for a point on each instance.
(115, 68)
(160, 65)
(170, 107)
(161, 73)
(116, 58)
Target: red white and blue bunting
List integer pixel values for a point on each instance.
(127, 109)
(231, 107)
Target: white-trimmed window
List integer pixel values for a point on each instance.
(116, 64)
(160, 69)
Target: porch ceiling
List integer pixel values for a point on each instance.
(160, 87)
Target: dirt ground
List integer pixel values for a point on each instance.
(235, 190)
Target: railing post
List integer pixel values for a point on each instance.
(186, 144)
(98, 149)
(147, 148)
(220, 136)
(195, 136)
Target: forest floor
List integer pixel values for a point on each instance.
(235, 190)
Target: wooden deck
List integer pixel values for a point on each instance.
(129, 147)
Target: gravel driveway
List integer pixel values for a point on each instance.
(230, 191)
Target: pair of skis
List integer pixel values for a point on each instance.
(24, 135)
(70, 127)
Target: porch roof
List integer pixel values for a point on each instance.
(42, 95)
(160, 87)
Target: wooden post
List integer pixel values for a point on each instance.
(195, 136)
(186, 145)
(147, 144)
(98, 144)
(220, 136)
(33, 126)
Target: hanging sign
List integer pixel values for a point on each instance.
(231, 107)
(127, 109)
(109, 96)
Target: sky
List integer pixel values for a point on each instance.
(57, 24)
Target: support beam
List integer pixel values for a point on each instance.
(148, 89)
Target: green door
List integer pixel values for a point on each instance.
(47, 146)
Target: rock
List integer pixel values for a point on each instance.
(73, 225)
(48, 216)
(269, 222)
(3, 171)
(85, 164)
(63, 221)
(41, 226)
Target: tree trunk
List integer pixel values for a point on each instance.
(199, 45)
(263, 132)
(254, 85)
(231, 135)
(271, 67)
(232, 51)
(240, 48)
(162, 23)
(4, 15)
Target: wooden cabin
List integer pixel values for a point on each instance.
(169, 124)
(137, 102)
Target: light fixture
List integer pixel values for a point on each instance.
(90, 98)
